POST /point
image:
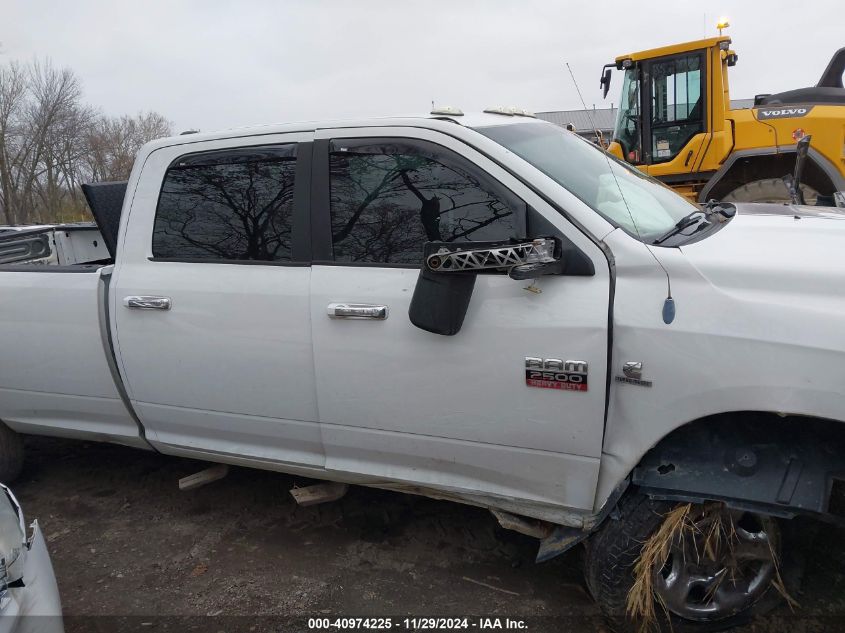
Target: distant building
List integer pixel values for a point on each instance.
(586, 122)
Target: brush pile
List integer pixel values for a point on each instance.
(710, 537)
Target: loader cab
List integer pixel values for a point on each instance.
(662, 107)
(666, 112)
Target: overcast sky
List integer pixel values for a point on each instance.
(213, 64)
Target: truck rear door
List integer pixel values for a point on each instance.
(211, 300)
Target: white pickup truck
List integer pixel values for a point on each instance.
(482, 308)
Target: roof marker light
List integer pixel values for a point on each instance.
(499, 110)
(447, 111)
(510, 111)
(522, 112)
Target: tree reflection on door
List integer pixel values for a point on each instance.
(386, 204)
(227, 211)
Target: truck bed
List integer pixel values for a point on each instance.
(53, 245)
(56, 374)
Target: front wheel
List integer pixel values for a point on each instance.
(687, 567)
(768, 190)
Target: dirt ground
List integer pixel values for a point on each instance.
(132, 552)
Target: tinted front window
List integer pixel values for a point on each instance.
(231, 205)
(387, 200)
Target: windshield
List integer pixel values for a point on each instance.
(627, 130)
(626, 197)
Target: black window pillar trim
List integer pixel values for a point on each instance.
(320, 224)
(648, 110)
(301, 221)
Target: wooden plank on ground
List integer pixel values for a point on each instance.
(319, 493)
(203, 477)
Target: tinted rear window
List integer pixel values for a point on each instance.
(230, 205)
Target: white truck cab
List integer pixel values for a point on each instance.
(484, 308)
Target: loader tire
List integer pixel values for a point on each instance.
(614, 550)
(11, 454)
(768, 190)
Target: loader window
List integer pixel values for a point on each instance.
(627, 130)
(677, 104)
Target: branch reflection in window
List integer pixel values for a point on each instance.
(388, 200)
(230, 205)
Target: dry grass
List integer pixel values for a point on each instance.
(655, 552)
(777, 583)
(713, 536)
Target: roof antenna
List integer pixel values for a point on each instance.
(669, 303)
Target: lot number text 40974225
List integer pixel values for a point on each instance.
(416, 624)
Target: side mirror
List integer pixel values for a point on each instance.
(447, 278)
(604, 82)
(440, 302)
(793, 181)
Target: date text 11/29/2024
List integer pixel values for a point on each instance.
(417, 624)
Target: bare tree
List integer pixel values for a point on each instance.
(13, 99)
(51, 142)
(113, 142)
(40, 111)
(58, 124)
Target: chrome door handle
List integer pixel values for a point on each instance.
(357, 311)
(147, 302)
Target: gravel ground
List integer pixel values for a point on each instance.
(132, 552)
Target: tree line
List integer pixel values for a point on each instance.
(51, 142)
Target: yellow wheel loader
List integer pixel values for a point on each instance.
(675, 123)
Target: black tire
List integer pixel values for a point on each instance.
(768, 190)
(11, 454)
(613, 551)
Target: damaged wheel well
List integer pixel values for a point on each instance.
(779, 465)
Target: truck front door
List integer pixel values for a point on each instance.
(451, 413)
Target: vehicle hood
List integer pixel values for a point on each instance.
(775, 248)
